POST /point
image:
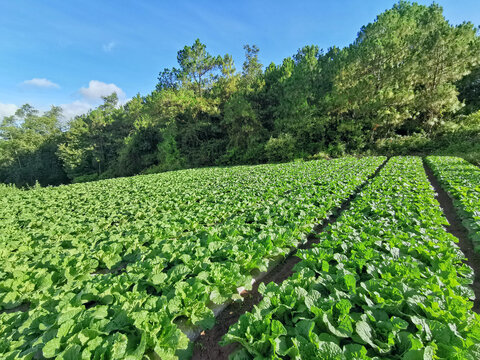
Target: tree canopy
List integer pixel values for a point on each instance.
(408, 73)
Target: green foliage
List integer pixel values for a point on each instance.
(459, 137)
(384, 281)
(168, 154)
(28, 142)
(85, 178)
(397, 89)
(252, 68)
(93, 140)
(197, 67)
(402, 68)
(138, 151)
(336, 149)
(113, 269)
(403, 145)
(469, 90)
(168, 79)
(281, 148)
(461, 179)
(245, 131)
(472, 121)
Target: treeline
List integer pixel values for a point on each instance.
(409, 72)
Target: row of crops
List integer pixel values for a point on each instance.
(384, 281)
(113, 269)
(462, 181)
(5, 189)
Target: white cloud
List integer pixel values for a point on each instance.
(75, 108)
(98, 89)
(41, 83)
(109, 47)
(92, 97)
(7, 110)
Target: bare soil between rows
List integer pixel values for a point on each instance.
(457, 229)
(206, 346)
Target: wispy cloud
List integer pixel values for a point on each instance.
(98, 89)
(41, 83)
(75, 108)
(7, 110)
(109, 47)
(91, 98)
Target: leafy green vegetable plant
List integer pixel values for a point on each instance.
(462, 181)
(114, 269)
(385, 281)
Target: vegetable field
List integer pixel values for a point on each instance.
(136, 268)
(462, 180)
(385, 281)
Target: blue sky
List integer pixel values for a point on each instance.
(70, 53)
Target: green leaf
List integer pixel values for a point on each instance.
(119, 346)
(350, 282)
(72, 352)
(330, 351)
(277, 328)
(364, 331)
(51, 348)
(137, 354)
(355, 352)
(158, 279)
(100, 312)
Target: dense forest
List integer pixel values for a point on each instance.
(409, 83)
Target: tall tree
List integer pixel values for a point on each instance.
(93, 140)
(197, 66)
(402, 67)
(28, 142)
(252, 68)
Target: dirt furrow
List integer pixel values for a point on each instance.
(207, 346)
(457, 229)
